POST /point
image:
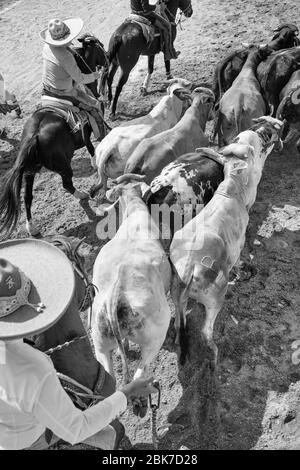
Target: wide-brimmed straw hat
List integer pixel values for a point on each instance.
(37, 284)
(60, 33)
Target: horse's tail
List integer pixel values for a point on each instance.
(114, 45)
(10, 204)
(112, 313)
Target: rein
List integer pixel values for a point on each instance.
(98, 44)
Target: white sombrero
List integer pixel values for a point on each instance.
(37, 284)
(60, 33)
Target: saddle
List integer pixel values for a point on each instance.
(149, 31)
(74, 116)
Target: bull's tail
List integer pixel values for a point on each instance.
(103, 157)
(10, 204)
(183, 338)
(112, 313)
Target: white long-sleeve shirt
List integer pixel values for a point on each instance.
(32, 399)
(60, 69)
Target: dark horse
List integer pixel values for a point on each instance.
(47, 141)
(76, 359)
(128, 43)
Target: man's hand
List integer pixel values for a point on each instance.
(139, 388)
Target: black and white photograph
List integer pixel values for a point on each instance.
(149, 228)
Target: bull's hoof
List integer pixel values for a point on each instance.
(143, 91)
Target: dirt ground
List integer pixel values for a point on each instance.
(200, 408)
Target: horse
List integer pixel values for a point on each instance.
(47, 141)
(68, 343)
(127, 44)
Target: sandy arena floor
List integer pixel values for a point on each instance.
(203, 411)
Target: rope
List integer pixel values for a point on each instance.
(154, 407)
(154, 427)
(92, 71)
(77, 396)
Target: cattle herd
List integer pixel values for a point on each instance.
(184, 201)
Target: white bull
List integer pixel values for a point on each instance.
(205, 250)
(133, 276)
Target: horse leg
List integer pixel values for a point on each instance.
(67, 182)
(126, 68)
(87, 141)
(146, 83)
(123, 79)
(168, 69)
(113, 68)
(28, 183)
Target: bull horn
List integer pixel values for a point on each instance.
(129, 176)
(281, 107)
(78, 244)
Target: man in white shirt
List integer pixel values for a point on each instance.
(32, 399)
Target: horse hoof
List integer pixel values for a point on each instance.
(81, 195)
(112, 116)
(143, 91)
(32, 230)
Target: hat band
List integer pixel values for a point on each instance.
(10, 304)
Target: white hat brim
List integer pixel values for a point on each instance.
(52, 283)
(75, 26)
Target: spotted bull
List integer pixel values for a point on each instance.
(185, 185)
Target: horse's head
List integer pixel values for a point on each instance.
(186, 7)
(90, 57)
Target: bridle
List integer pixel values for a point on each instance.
(100, 46)
(172, 16)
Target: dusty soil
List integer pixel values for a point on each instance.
(201, 408)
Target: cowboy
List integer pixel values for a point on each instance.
(36, 287)
(143, 8)
(61, 74)
(8, 103)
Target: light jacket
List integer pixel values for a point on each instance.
(32, 399)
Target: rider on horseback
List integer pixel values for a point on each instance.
(143, 8)
(61, 74)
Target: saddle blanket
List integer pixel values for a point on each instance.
(74, 116)
(148, 29)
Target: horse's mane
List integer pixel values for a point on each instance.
(89, 35)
